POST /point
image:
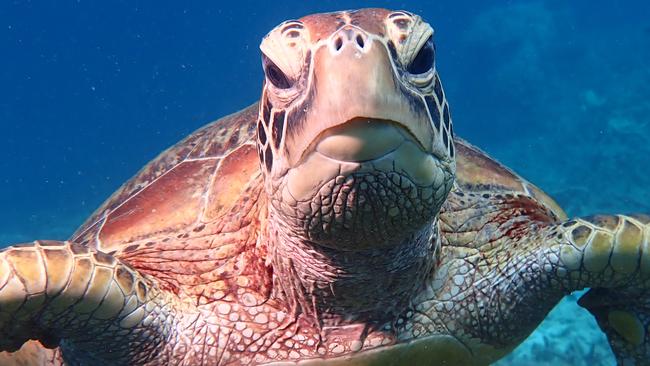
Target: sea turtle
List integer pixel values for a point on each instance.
(338, 221)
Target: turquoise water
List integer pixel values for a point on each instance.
(559, 91)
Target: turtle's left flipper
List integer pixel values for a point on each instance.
(64, 294)
(518, 283)
(625, 319)
(611, 255)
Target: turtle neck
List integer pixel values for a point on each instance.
(336, 287)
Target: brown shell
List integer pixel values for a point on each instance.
(191, 217)
(180, 186)
(189, 214)
(476, 171)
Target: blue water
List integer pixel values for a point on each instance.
(90, 91)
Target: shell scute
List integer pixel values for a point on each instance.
(475, 169)
(477, 172)
(171, 203)
(168, 194)
(233, 175)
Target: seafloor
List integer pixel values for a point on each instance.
(568, 110)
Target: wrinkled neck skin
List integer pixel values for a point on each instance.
(333, 287)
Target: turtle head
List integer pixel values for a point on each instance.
(354, 134)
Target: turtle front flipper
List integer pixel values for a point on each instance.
(615, 253)
(609, 254)
(513, 272)
(87, 302)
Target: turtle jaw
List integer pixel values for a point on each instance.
(363, 185)
(362, 139)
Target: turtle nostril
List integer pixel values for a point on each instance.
(360, 41)
(338, 43)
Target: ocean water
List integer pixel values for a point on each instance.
(91, 91)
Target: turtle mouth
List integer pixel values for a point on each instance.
(363, 184)
(359, 147)
(362, 139)
(366, 183)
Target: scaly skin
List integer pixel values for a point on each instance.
(318, 228)
(515, 294)
(507, 263)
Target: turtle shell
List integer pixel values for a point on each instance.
(196, 181)
(188, 215)
(478, 172)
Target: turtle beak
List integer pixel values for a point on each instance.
(356, 95)
(361, 139)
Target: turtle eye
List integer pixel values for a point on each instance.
(423, 61)
(275, 75)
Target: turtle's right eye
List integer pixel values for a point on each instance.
(423, 61)
(275, 75)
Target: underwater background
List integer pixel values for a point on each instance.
(90, 91)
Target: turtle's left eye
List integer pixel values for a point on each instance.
(423, 61)
(275, 75)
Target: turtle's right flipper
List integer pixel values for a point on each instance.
(62, 292)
